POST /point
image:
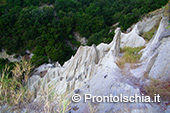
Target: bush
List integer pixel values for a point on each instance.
(13, 89)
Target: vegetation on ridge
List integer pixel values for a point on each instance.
(129, 55)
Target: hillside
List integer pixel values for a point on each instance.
(130, 64)
(45, 27)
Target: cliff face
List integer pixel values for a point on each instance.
(93, 70)
(87, 62)
(156, 52)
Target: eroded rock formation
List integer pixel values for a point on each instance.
(93, 70)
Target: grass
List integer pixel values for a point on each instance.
(14, 93)
(166, 10)
(13, 89)
(92, 108)
(54, 102)
(158, 87)
(130, 55)
(168, 27)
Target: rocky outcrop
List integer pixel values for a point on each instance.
(133, 36)
(156, 53)
(79, 69)
(82, 40)
(11, 58)
(160, 68)
(105, 82)
(93, 70)
(115, 49)
(132, 39)
(155, 41)
(146, 24)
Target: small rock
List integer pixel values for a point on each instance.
(61, 78)
(75, 108)
(76, 91)
(105, 76)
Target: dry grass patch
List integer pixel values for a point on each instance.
(158, 87)
(13, 90)
(166, 10)
(14, 93)
(54, 103)
(130, 55)
(92, 108)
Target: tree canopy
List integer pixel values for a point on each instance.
(45, 26)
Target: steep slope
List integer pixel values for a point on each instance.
(80, 68)
(156, 52)
(132, 39)
(93, 70)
